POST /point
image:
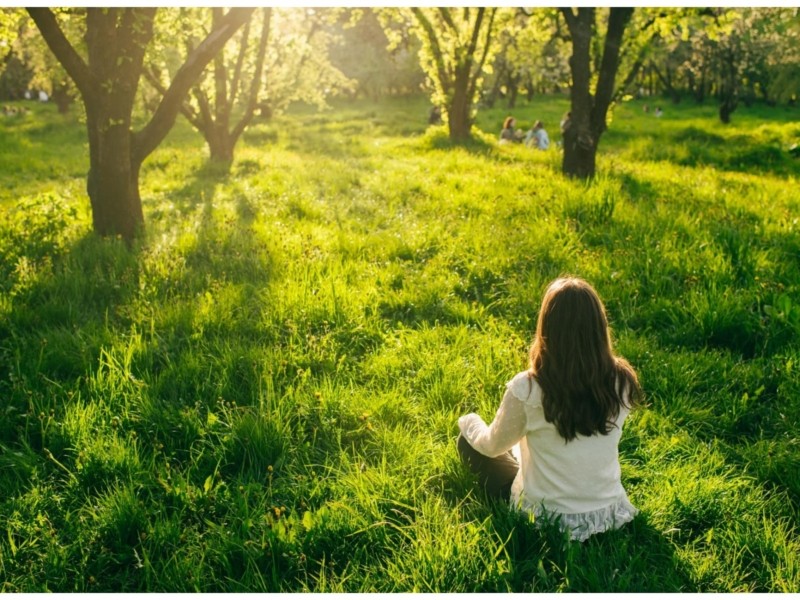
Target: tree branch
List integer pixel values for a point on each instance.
(660, 76)
(220, 76)
(569, 17)
(629, 79)
(436, 50)
(448, 18)
(206, 118)
(478, 70)
(153, 79)
(233, 86)
(59, 45)
(617, 21)
(476, 32)
(135, 31)
(257, 75)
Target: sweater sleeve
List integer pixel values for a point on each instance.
(507, 428)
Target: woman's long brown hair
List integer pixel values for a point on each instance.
(583, 383)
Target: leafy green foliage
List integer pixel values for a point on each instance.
(262, 394)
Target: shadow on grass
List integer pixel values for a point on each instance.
(62, 313)
(635, 558)
(71, 308)
(200, 189)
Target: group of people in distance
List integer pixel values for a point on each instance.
(536, 137)
(657, 112)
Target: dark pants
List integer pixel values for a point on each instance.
(495, 475)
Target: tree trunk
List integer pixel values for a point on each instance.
(579, 160)
(220, 145)
(728, 89)
(62, 100)
(512, 98)
(491, 97)
(726, 108)
(580, 153)
(459, 120)
(493, 94)
(513, 91)
(460, 89)
(700, 94)
(113, 180)
(690, 83)
(62, 95)
(588, 115)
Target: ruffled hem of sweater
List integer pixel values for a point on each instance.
(581, 526)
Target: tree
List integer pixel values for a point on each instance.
(784, 65)
(15, 75)
(107, 79)
(530, 57)
(271, 61)
(587, 121)
(736, 54)
(9, 25)
(455, 46)
(362, 53)
(298, 66)
(748, 42)
(43, 71)
(237, 87)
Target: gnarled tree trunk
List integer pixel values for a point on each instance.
(588, 112)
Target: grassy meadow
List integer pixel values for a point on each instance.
(262, 394)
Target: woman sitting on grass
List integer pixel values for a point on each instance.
(537, 137)
(508, 133)
(564, 418)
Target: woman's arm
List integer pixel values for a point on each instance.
(506, 430)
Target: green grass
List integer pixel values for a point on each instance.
(262, 395)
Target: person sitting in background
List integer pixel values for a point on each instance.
(537, 137)
(658, 111)
(435, 116)
(508, 133)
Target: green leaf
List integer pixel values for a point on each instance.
(784, 304)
